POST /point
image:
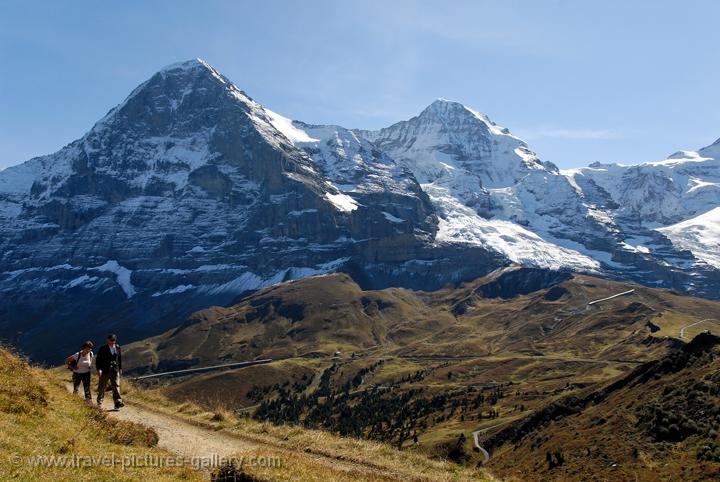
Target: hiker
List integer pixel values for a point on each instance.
(109, 368)
(80, 364)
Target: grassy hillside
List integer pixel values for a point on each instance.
(38, 417)
(313, 455)
(660, 422)
(420, 371)
(41, 421)
(496, 315)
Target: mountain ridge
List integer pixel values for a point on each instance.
(190, 193)
(187, 195)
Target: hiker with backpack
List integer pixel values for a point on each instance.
(80, 364)
(109, 368)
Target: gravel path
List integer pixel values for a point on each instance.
(202, 445)
(206, 445)
(183, 438)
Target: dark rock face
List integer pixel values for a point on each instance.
(186, 195)
(189, 194)
(523, 281)
(555, 293)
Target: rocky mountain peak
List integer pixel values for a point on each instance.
(713, 150)
(187, 65)
(448, 110)
(189, 193)
(442, 106)
(185, 117)
(448, 138)
(173, 93)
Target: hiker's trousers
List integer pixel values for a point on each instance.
(83, 378)
(113, 377)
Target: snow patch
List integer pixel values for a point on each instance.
(461, 224)
(699, 235)
(342, 202)
(250, 281)
(698, 184)
(245, 282)
(301, 212)
(286, 128)
(391, 218)
(122, 276)
(174, 291)
(81, 280)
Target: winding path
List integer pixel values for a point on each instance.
(682, 330)
(207, 447)
(486, 454)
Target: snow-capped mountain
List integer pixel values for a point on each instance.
(490, 189)
(664, 209)
(699, 235)
(189, 193)
(448, 136)
(663, 192)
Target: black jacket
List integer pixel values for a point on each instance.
(104, 358)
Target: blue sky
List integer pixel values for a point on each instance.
(581, 81)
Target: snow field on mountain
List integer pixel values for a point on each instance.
(700, 235)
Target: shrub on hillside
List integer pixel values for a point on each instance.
(230, 472)
(708, 451)
(123, 432)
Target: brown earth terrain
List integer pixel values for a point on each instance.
(659, 422)
(419, 370)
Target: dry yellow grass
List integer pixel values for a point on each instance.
(38, 417)
(314, 455)
(670, 324)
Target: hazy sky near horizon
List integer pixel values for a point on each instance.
(580, 81)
